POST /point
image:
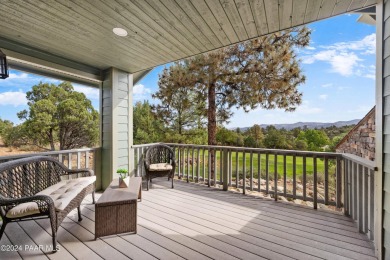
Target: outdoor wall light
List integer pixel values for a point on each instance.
(3, 66)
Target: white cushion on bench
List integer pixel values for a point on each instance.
(62, 194)
(160, 167)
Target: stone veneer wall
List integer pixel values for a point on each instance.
(360, 140)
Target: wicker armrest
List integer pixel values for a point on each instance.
(84, 172)
(45, 203)
(147, 165)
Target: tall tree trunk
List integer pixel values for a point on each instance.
(212, 125)
(51, 137)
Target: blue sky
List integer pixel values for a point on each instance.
(339, 66)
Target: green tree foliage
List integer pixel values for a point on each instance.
(263, 72)
(59, 114)
(255, 137)
(5, 126)
(274, 139)
(227, 137)
(181, 108)
(146, 125)
(315, 139)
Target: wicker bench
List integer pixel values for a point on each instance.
(42, 187)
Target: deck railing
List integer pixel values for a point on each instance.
(338, 180)
(308, 176)
(73, 159)
(138, 151)
(359, 192)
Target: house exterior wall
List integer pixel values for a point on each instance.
(360, 140)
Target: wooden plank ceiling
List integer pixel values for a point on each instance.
(159, 31)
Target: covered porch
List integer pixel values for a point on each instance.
(72, 40)
(197, 222)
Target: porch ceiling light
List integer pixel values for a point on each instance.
(120, 32)
(3, 66)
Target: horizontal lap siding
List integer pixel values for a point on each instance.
(386, 130)
(116, 123)
(106, 134)
(121, 127)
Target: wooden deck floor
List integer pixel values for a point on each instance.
(196, 222)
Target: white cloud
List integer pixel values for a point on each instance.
(323, 97)
(18, 76)
(341, 62)
(140, 89)
(328, 85)
(141, 92)
(367, 45)
(90, 93)
(13, 98)
(345, 58)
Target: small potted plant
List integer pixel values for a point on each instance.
(123, 173)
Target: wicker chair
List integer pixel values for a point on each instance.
(159, 161)
(24, 183)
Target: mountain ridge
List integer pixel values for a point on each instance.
(309, 125)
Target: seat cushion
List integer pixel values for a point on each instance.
(160, 167)
(62, 194)
(26, 209)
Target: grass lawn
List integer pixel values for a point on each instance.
(271, 163)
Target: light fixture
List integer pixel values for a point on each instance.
(120, 32)
(3, 66)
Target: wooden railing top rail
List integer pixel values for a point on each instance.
(144, 145)
(364, 162)
(12, 157)
(264, 150)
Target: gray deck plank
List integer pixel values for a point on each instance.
(255, 205)
(205, 227)
(76, 247)
(182, 209)
(8, 253)
(231, 250)
(218, 194)
(101, 248)
(127, 248)
(145, 233)
(167, 243)
(285, 225)
(27, 248)
(235, 236)
(152, 248)
(41, 237)
(196, 222)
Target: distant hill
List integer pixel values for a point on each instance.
(310, 125)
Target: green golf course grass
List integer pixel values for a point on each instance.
(255, 164)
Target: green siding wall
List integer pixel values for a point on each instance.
(386, 129)
(117, 127)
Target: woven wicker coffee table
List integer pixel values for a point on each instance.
(116, 209)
